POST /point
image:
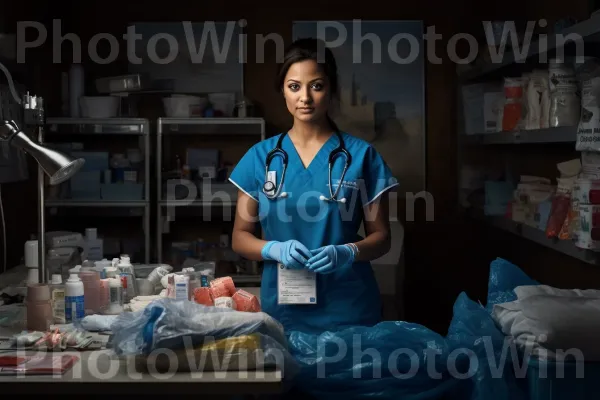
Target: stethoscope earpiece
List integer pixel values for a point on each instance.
(322, 198)
(283, 194)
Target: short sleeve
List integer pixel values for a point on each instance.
(243, 175)
(378, 177)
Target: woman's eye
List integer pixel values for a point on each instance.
(317, 86)
(294, 86)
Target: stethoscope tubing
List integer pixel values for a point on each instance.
(278, 151)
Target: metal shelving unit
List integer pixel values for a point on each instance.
(566, 134)
(106, 126)
(589, 32)
(538, 236)
(198, 127)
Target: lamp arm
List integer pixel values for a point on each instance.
(11, 84)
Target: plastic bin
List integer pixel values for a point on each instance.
(570, 380)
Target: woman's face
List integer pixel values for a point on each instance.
(306, 91)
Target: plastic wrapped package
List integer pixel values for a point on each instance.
(588, 131)
(512, 115)
(565, 103)
(185, 326)
(565, 108)
(241, 353)
(538, 101)
(204, 296)
(222, 287)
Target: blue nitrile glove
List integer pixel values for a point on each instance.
(291, 253)
(328, 259)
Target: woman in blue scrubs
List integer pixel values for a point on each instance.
(305, 229)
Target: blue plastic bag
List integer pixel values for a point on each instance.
(391, 360)
(504, 278)
(497, 356)
(185, 325)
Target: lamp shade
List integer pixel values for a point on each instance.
(58, 166)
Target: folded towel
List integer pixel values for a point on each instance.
(552, 323)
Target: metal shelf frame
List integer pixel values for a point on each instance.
(567, 134)
(57, 127)
(538, 236)
(195, 126)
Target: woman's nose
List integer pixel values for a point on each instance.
(305, 96)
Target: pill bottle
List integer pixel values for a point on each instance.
(115, 296)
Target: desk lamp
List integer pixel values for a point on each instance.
(58, 166)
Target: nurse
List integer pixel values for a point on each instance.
(311, 207)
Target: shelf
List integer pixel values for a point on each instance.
(95, 126)
(588, 30)
(566, 134)
(211, 126)
(538, 236)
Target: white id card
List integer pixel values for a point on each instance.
(296, 286)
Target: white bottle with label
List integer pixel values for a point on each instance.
(115, 292)
(127, 278)
(93, 247)
(74, 300)
(57, 296)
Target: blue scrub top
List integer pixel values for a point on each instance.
(344, 298)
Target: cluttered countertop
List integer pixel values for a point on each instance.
(91, 329)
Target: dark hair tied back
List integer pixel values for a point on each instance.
(310, 49)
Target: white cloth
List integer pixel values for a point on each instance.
(553, 323)
(97, 322)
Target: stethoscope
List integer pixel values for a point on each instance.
(269, 186)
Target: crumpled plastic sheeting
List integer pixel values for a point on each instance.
(338, 364)
(390, 360)
(174, 324)
(474, 328)
(494, 377)
(504, 278)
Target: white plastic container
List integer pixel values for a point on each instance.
(184, 106)
(93, 247)
(74, 299)
(57, 296)
(115, 298)
(127, 278)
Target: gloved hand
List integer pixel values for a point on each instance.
(291, 253)
(328, 259)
